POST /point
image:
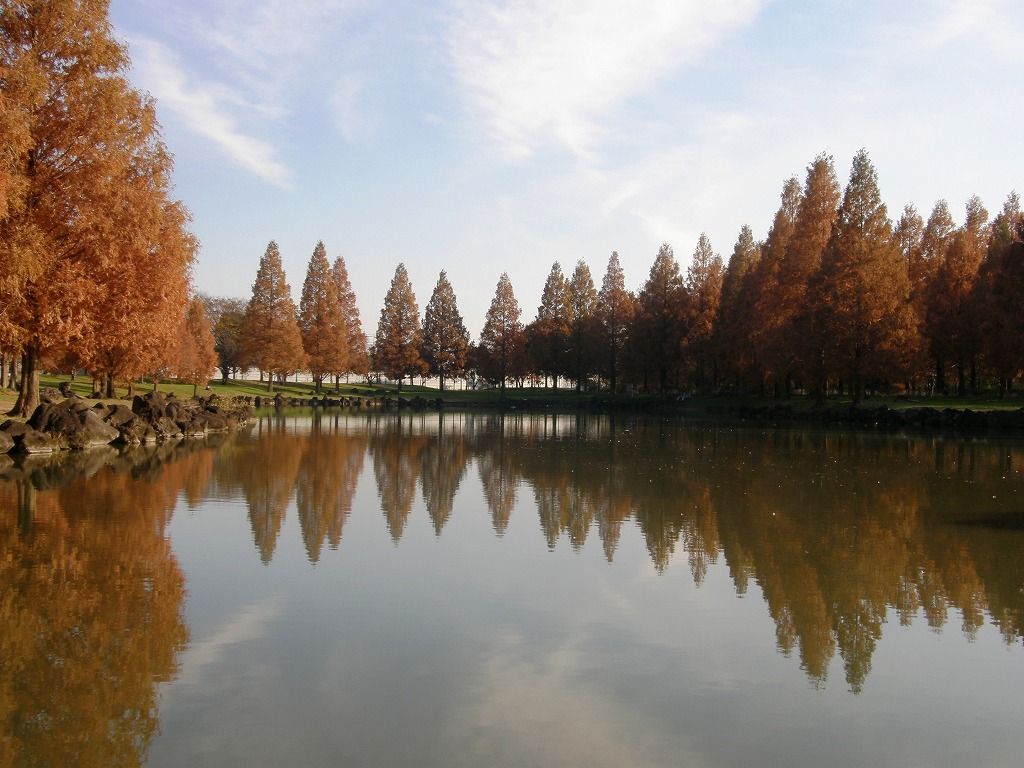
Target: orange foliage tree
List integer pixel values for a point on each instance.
(270, 337)
(324, 335)
(86, 174)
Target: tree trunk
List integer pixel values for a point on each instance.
(3, 371)
(28, 396)
(108, 386)
(131, 388)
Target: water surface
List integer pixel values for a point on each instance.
(419, 590)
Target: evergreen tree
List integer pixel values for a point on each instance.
(862, 295)
(358, 354)
(270, 337)
(615, 315)
(226, 315)
(396, 349)
(582, 297)
(324, 335)
(445, 340)
(501, 340)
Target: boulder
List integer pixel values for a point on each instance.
(72, 423)
(6, 443)
(26, 439)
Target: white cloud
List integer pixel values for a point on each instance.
(985, 23)
(540, 73)
(205, 108)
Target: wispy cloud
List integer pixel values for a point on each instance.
(205, 108)
(540, 73)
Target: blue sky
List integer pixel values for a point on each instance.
(482, 136)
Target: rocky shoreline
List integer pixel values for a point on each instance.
(72, 423)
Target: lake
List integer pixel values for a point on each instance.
(396, 589)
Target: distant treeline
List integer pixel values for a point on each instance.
(835, 298)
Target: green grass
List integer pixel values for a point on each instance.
(529, 396)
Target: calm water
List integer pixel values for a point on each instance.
(528, 591)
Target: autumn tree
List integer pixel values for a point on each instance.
(952, 324)
(324, 335)
(656, 334)
(767, 318)
(270, 338)
(924, 268)
(1000, 294)
(548, 335)
(704, 292)
(501, 340)
(582, 309)
(194, 352)
(862, 294)
(615, 315)
(794, 352)
(445, 340)
(396, 349)
(358, 354)
(84, 173)
(225, 315)
(732, 331)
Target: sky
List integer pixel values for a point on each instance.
(489, 136)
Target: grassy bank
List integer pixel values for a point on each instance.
(529, 398)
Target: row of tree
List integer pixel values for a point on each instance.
(835, 298)
(95, 253)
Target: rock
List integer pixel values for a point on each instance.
(26, 439)
(72, 423)
(6, 443)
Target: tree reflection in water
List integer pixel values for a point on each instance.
(842, 532)
(91, 602)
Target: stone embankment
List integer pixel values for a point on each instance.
(957, 420)
(74, 424)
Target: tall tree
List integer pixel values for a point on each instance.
(656, 335)
(953, 320)
(1000, 291)
(84, 173)
(324, 335)
(704, 293)
(582, 310)
(767, 317)
(923, 270)
(445, 340)
(615, 315)
(862, 295)
(501, 340)
(732, 324)
(270, 338)
(358, 354)
(548, 335)
(396, 350)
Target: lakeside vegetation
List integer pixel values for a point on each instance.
(837, 301)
